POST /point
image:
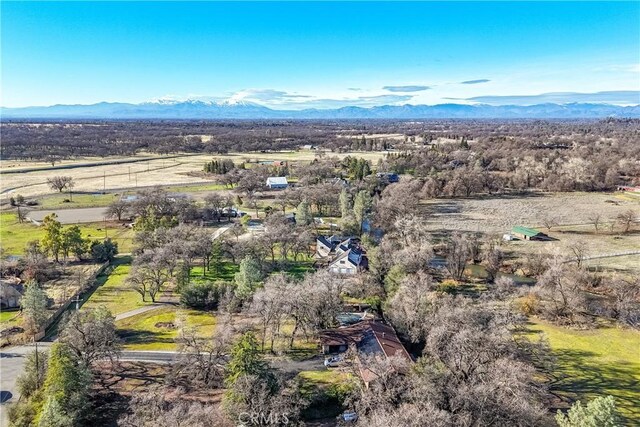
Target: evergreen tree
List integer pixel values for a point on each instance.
(600, 412)
(66, 389)
(303, 214)
(362, 206)
(246, 359)
(248, 277)
(34, 304)
(345, 203)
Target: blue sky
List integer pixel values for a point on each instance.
(298, 55)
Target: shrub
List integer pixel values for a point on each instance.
(529, 304)
(104, 251)
(201, 295)
(448, 286)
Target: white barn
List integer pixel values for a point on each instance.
(277, 182)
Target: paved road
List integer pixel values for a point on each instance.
(11, 364)
(71, 216)
(12, 361)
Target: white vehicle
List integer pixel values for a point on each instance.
(350, 416)
(332, 362)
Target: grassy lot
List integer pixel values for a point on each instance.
(146, 332)
(14, 236)
(196, 187)
(56, 201)
(113, 291)
(595, 363)
(6, 316)
(226, 272)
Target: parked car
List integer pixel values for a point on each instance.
(332, 362)
(350, 416)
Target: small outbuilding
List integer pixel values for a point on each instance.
(277, 182)
(526, 233)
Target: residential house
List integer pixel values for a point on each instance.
(344, 255)
(277, 182)
(350, 262)
(367, 338)
(10, 293)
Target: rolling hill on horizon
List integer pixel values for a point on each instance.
(195, 109)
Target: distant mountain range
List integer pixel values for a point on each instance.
(246, 110)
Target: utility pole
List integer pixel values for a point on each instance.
(37, 364)
(77, 301)
(104, 182)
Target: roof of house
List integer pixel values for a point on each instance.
(525, 231)
(369, 336)
(326, 242)
(353, 256)
(277, 180)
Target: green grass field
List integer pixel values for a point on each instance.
(15, 236)
(596, 363)
(226, 272)
(56, 201)
(113, 291)
(144, 332)
(5, 316)
(196, 188)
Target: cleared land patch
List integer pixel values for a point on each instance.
(158, 329)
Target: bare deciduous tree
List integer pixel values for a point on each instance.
(60, 182)
(457, 255)
(626, 220)
(117, 209)
(91, 335)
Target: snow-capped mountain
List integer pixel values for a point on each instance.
(242, 109)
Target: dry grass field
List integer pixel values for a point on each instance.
(173, 170)
(497, 215)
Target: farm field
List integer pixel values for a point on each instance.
(173, 170)
(595, 362)
(75, 201)
(496, 216)
(14, 236)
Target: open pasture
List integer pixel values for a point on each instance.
(91, 176)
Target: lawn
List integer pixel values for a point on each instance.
(15, 236)
(595, 363)
(196, 188)
(92, 200)
(158, 329)
(226, 272)
(5, 316)
(113, 291)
